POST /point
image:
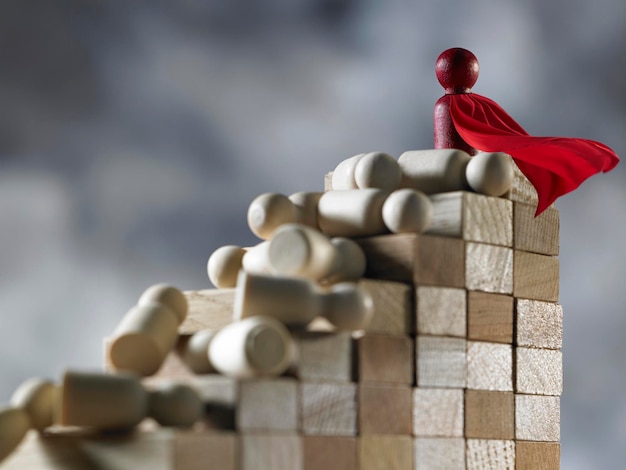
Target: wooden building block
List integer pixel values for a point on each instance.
(324, 356)
(522, 189)
(270, 451)
(535, 234)
(536, 276)
(208, 309)
(437, 412)
(268, 405)
(441, 362)
(328, 408)
(192, 451)
(441, 311)
(537, 455)
(329, 453)
(489, 268)
(385, 409)
(439, 453)
(328, 181)
(539, 324)
(385, 452)
(427, 260)
(538, 371)
(385, 358)
(537, 418)
(489, 317)
(490, 454)
(393, 307)
(472, 217)
(489, 415)
(489, 366)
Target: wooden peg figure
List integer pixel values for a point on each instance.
(457, 72)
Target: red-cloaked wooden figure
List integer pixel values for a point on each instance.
(467, 121)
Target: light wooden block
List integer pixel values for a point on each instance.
(329, 453)
(539, 324)
(489, 415)
(268, 405)
(489, 317)
(393, 307)
(539, 371)
(441, 362)
(173, 368)
(328, 181)
(535, 234)
(490, 454)
(537, 455)
(324, 356)
(537, 418)
(522, 189)
(385, 358)
(489, 268)
(208, 309)
(536, 276)
(427, 260)
(385, 452)
(438, 412)
(441, 311)
(472, 217)
(161, 449)
(439, 453)
(270, 451)
(385, 409)
(489, 366)
(328, 409)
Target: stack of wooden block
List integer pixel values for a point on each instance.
(460, 368)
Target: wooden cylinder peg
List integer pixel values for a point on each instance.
(166, 295)
(101, 401)
(224, 265)
(343, 174)
(352, 213)
(407, 211)
(255, 346)
(490, 173)
(297, 250)
(143, 339)
(196, 350)
(175, 404)
(367, 170)
(351, 261)
(434, 171)
(348, 307)
(292, 301)
(38, 399)
(269, 211)
(14, 424)
(257, 259)
(306, 206)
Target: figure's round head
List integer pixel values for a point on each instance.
(457, 70)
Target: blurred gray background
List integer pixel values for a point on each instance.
(133, 136)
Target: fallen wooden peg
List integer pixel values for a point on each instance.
(434, 171)
(367, 170)
(490, 173)
(14, 424)
(407, 211)
(37, 398)
(224, 265)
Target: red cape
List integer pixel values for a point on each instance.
(554, 165)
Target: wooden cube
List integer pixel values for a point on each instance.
(393, 307)
(489, 366)
(539, 371)
(537, 418)
(385, 358)
(536, 276)
(208, 309)
(441, 311)
(385, 452)
(441, 362)
(439, 453)
(489, 415)
(265, 451)
(539, 324)
(329, 453)
(537, 455)
(324, 356)
(473, 217)
(535, 234)
(385, 409)
(328, 409)
(490, 454)
(489, 268)
(268, 405)
(438, 412)
(522, 189)
(489, 317)
(426, 260)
